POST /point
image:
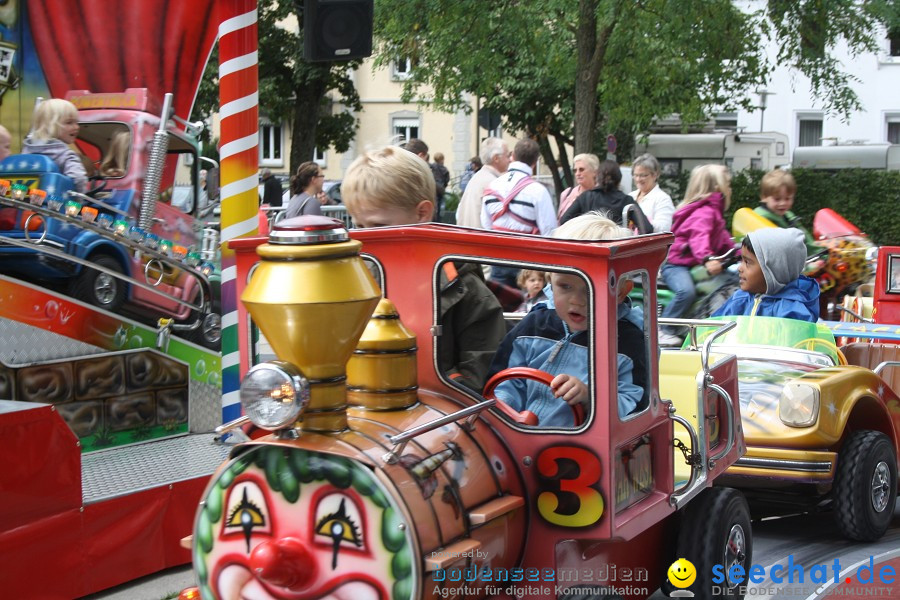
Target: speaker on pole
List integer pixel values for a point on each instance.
(337, 29)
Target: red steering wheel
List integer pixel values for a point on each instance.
(526, 417)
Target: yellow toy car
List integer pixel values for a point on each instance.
(821, 424)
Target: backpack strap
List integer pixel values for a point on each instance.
(506, 200)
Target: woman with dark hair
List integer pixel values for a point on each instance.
(306, 191)
(607, 199)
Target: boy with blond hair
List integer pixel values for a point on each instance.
(776, 198)
(553, 337)
(391, 186)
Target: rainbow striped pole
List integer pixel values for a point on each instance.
(239, 155)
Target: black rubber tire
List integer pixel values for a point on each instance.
(710, 521)
(98, 288)
(862, 459)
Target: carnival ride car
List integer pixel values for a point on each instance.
(382, 477)
(822, 423)
(844, 262)
(81, 242)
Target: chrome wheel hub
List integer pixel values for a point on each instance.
(105, 288)
(881, 486)
(735, 551)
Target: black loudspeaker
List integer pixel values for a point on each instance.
(337, 29)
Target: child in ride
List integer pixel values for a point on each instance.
(553, 337)
(532, 284)
(700, 234)
(54, 129)
(772, 261)
(776, 198)
(390, 186)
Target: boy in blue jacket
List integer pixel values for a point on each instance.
(553, 337)
(772, 261)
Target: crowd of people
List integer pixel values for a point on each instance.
(397, 185)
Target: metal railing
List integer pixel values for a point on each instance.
(336, 211)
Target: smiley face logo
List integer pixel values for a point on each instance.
(682, 573)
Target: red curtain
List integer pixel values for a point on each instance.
(105, 46)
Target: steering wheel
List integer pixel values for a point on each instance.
(811, 343)
(635, 218)
(98, 187)
(526, 417)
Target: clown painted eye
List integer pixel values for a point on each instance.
(246, 511)
(338, 524)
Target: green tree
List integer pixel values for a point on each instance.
(576, 70)
(318, 99)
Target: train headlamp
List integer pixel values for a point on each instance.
(274, 394)
(798, 405)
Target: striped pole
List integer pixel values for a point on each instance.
(239, 155)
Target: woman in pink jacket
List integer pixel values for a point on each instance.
(700, 233)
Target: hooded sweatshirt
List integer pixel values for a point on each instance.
(543, 341)
(66, 159)
(782, 255)
(700, 232)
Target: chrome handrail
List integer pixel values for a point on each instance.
(205, 287)
(400, 440)
(732, 425)
(697, 479)
(121, 276)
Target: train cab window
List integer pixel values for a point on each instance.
(893, 285)
(539, 317)
(106, 147)
(633, 294)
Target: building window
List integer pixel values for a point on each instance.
(726, 120)
(894, 42)
(893, 130)
(319, 157)
(270, 145)
(401, 68)
(405, 129)
(810, 133)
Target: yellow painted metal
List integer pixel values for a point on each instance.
(312, 303)
(787, 454)
(382, 374)
(745, 221)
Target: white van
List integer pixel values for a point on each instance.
(848, 156)
(738, 151)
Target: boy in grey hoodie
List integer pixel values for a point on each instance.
(772, 260)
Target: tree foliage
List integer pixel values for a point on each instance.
(317, 99)
(576, 70)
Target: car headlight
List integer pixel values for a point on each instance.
(798, 405)
(274, 394)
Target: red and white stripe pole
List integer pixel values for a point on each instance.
(239, 156)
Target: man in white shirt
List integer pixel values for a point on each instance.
(494, 156)
(515, 201)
